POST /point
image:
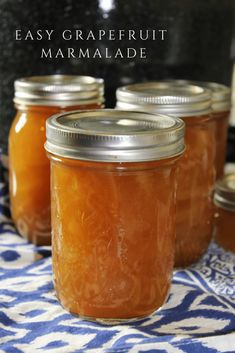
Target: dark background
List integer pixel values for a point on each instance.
(200, 43)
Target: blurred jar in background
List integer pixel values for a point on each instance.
(37, 98)
(221, 104)
(113, 186)
(224, 199)
(194, 221)
(230, 167)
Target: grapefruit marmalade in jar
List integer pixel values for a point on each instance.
(224, 198)
(37, 98)
(113, 190)
(194, 220)
(221, 104)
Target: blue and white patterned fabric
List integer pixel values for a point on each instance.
(199, 315)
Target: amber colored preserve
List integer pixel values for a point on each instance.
(113, 223)
(29, 165)
(113, 236)
(222, 119)
(225, 229)
(196, 176)
(220, 103)
(224, 199)
(194, 222)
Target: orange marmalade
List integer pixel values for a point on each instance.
(224, 198)
(196, 176)
(222, 120)
(220, 104)
(113, 195)
(36, 99)
(194, 222)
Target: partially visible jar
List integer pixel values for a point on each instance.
(224, 199)
(36, 99)
(194, 220)
(113, 190)
(221, 104)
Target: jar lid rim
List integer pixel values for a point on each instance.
(220, 93)
(163, 96)
(224, 195)
(114, 135)
(67, 90)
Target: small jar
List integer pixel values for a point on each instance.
(113, 189)
(221, 104)
(37, 98)
(194, 221)
(224, 198)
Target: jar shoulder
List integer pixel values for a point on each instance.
(28, 122)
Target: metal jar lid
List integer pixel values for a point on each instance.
(59, 90)
(110, 135)
(165, 98)
(224, 195)
(220, 94)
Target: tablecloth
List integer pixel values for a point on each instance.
(199, 315)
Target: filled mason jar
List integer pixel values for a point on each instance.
(194, 220)
(37, 98)
(113, 198)
(221, 104)
(224, 199)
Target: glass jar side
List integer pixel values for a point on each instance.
(222, 120)
(113, 236)
(196, 177)
(29, 171)
(225, 228)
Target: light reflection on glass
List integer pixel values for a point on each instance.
(20, 124)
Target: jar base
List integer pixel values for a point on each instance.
(107, 321)
(110, 321)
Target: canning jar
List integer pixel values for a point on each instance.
(113, 190)
(194, 220)
(221, 104)
(37, 98)
(224, 199)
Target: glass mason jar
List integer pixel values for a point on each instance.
(113, 190)
(221, 104)
(224, 199)
(37, 98)
(194, 220)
